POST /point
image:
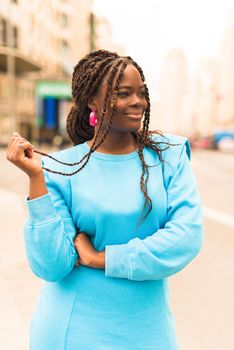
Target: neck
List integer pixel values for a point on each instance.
(116, 143)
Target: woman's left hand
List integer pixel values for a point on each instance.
(88, 255)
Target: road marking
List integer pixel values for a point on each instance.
(219, 216)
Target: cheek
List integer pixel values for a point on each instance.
(121, 106)
(145, 104)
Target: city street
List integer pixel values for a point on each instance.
(201, 294)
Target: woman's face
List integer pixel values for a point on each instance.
(130, 101)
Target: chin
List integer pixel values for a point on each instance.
(130, 127)
(135, 128)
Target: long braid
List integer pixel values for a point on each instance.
(142, 139)
(76, 122)
(113, 109)
(104, 110)
(87, 77)
(112, 74)
(85, 84)
(105, 107)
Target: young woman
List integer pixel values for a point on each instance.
(110, 218)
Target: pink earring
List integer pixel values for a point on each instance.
(93, 118)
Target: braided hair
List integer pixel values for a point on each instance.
(87, 76)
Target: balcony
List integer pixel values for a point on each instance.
(23, 64)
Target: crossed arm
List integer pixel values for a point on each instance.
(88, 255)
(54, 247)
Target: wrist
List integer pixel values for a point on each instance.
(36, 177)
(99, 260)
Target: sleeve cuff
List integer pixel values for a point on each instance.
(116, 261)
(40, 210)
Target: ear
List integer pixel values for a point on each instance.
(92, 103)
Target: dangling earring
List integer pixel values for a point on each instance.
(93, 118)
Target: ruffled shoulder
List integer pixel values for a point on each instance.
(171, 144)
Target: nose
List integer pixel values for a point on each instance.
(136, 101)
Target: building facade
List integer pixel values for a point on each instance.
(104, 38)
(226, 83)
(40, 41)
(173, 89)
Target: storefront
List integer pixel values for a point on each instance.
(53, 106)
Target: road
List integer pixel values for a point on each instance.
(201, 295)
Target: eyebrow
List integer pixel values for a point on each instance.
(130, 87)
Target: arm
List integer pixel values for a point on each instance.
(168, 250)
(37, 186)
(88, 255)
(49, 233)
(49, 230)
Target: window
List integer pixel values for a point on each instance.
(3, 32)
(15, 37)
(13, 34)
(64, 47)
(63, 20)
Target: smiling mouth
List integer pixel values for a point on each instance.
(136, 116)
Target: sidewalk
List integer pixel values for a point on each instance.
(18, 287)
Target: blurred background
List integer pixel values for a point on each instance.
(186, 49)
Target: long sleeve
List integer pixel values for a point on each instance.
(168, 250)
(49, 232)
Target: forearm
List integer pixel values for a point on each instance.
(37, 186)
(88, 255)
(49, 240)
(156, 257)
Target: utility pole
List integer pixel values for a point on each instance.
(92, 32)
(11, 74)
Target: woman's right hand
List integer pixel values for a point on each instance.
(20, 152)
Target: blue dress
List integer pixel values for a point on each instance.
(125, 306)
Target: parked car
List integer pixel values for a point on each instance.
(203, 142)
(224, 141)
(226, 145)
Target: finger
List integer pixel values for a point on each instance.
(23, 140)
(78, 263)
(12, 139)
(28, 153)
(78, 235)
(81, 234)
(26, 150)
(24, 147)
(16, 134)
(17, 149)
(11, 147)
(15, 140)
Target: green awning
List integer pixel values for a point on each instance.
(57, 89)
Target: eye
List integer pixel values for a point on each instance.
(123, 94)
(142, 94)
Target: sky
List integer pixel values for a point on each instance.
(149, 29)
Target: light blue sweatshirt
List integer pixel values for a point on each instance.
(125, 306)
